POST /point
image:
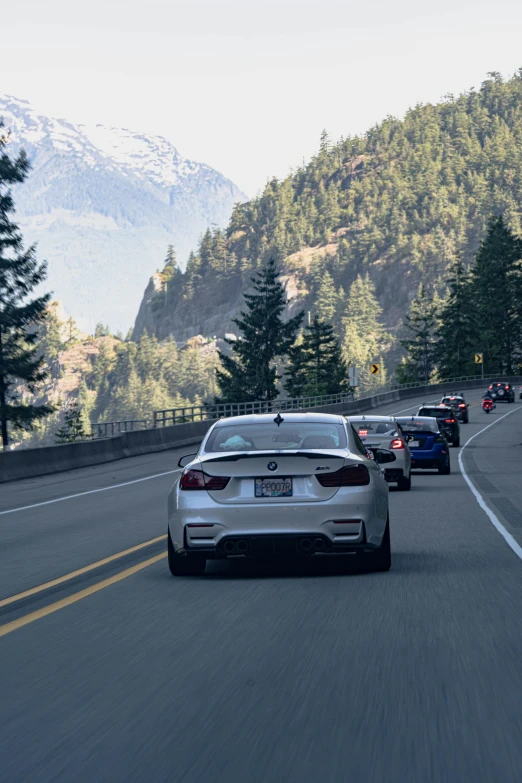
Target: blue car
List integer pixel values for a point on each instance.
(428, 445)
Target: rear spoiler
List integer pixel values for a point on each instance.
(235, 456)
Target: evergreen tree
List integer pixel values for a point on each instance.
(73, 428)
(50, 341)
(458, 326)
(316, 366)
(327, 302)
(101, 330)
(497, 297)
(250, 373)
(421, 343)
(20, 317)
(364, 338)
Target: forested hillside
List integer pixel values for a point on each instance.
(389, 209)
(106, 378)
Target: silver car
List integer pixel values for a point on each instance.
(383, 432)
(294, 484)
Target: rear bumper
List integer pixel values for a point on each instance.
(393, 474)
(277, 546)
(428, 461)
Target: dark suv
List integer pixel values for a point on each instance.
(501, 392)
(459, 405)
(447, 419)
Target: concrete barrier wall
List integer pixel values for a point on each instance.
(27, 463)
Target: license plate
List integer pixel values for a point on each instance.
(414, 444)
(273, 487)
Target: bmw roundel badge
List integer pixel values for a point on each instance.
(272, 466)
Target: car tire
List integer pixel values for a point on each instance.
(184, 565)
(456, 443)
(445, 469)
(404, 484)
(380, 559)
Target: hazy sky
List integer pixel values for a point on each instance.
(247, 86)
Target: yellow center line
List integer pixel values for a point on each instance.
(71, 599)
(84, 570)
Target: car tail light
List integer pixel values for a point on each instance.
(462, 405)
(507, 385)
(196, 479)
(397, 443)
(450, 421)
(349, 476)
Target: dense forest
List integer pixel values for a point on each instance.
(394, 207)
(103, 377)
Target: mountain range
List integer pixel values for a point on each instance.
(103, 204)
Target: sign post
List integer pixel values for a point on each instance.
(479, 359)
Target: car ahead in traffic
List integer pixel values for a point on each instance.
(297, 484)
(459, 406)
(382, 432)
(447, 419)
(501, 392)
(427, 442)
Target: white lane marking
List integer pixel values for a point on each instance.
(506, 535)
(88, 492)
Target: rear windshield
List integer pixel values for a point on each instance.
(436, 412)
(418, 425)
(367, 427)
(268, 436)
(452, 400)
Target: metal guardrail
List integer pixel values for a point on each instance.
(108, 429)
(171, 416)
(166, 418)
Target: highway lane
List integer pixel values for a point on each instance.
(44, 542)
(282, 675)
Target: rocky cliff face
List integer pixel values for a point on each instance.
(205, 316)
(104, 204)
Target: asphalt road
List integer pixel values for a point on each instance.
(248, 675)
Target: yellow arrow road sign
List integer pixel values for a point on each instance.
(479, 358)
(375, 369)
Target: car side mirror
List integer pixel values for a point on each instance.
(382, 456)
(184, 461)
(467, 406)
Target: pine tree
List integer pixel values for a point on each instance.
(73, 427)
(457, 332)
(20, 317)
(497, 297)
(316, 366)
(250, 373)
(421, 343)
(327, 302)
(50, 341)
(364, 338)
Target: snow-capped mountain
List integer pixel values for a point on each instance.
(103, 204)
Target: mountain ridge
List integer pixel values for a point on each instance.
(398, 204)
(103, 203)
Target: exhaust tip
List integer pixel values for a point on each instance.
(319, 545)
(242, 546)
(229, 547)
(306, 544)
